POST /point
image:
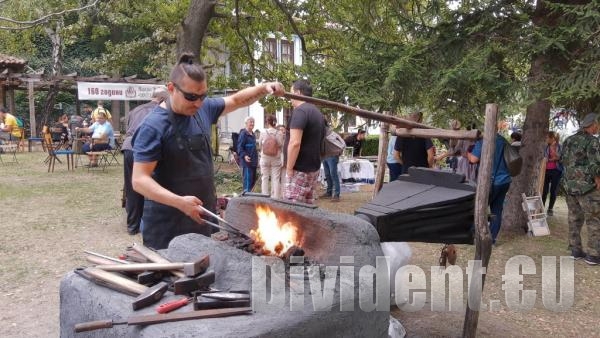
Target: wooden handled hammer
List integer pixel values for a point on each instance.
(146, 295)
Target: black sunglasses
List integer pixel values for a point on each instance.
(191, 96)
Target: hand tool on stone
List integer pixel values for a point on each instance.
(186, 285)
(203, 303)
(146, 295)
(115, 260)
(154, 256)
(227, 296)
(190, 269)
(162, 318)
(173, 305)
(134, 256)
(81, 272)
(146, 277)
(221, 219)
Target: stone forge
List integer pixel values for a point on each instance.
(324, 237)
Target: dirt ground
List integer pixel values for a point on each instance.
(48, 219)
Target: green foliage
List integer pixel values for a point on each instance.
(370, 146)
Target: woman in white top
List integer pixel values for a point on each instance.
(271, 142)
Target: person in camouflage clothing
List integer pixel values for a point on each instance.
(581, 180)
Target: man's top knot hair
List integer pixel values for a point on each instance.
(186, 66)
(187, 58)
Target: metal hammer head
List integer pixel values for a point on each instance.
(150, 296)
(186, 285)
(197, 267)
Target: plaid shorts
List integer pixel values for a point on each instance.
(301, 187)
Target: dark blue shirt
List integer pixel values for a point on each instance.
(500, 174)
(148, 138)
(247, 147)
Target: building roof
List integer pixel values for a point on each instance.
(7, 61)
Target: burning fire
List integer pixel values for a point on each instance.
(272, 236)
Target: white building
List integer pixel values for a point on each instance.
(282, 50)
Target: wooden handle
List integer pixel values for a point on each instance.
(98, 260)
(117, 280)
(141, 266)
(150, 254)
(95, 325)
(154, 256)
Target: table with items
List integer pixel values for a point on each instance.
(352, 172)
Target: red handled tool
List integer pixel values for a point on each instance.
(174, 305)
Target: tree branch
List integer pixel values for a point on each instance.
(292, 23)
(246, 44)
(28, 24)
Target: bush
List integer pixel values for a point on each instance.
(370, 146)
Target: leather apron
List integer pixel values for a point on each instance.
(186, 169)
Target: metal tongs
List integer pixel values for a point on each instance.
(231, 228)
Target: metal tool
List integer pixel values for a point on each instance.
(162, 318)
(204, 303)
(235, 232)
(220, 219)
(185, 285)
(226, 295)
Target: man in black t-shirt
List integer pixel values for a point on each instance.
(303, 147)
(414, 152)
(355, 141)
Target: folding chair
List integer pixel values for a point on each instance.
(9, 149)
(53, 154)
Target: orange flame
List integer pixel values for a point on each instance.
(273, 237)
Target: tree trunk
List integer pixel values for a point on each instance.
(194, 26)
(57, 63)
(535, 129)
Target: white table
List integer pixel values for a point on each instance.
(357, 170)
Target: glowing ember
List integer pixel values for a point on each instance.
(273, 238)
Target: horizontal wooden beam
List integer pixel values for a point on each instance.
(437, 133)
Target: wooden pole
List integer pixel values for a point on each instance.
(32, 124)
(2, 93)
(11, 101)
(381, 157)
(483, 238)
(438, 133)
(397, 121)
(359, 112)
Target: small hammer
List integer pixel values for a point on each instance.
(146, 295)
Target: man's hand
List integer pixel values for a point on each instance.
(274, 88)
(289, 173)
(189, 205)
(247, 159)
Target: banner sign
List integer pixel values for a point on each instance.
(115, 91)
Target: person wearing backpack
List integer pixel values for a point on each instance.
(501, 180)
(10, 129)
(271, 142)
